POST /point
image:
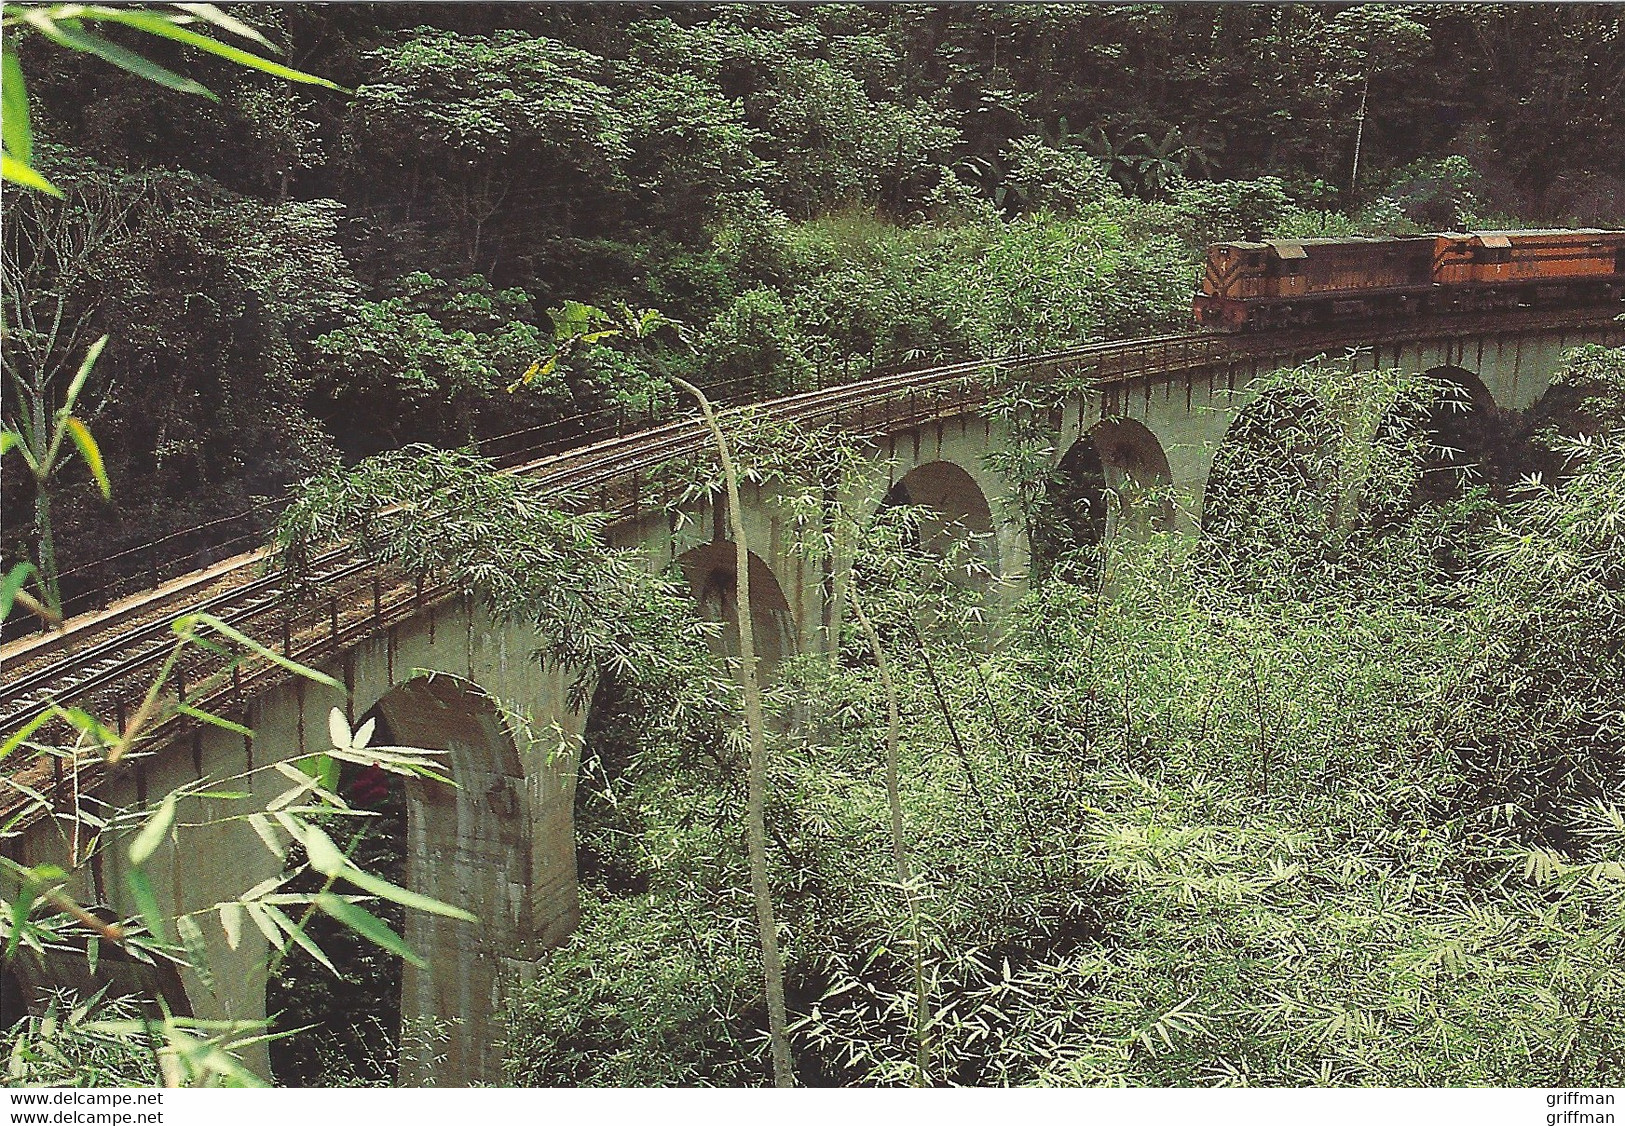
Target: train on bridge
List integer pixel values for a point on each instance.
(1283, 283)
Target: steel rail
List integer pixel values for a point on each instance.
(59, 668)
(87, 669)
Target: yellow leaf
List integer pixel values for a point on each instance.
(80, 433)
(19, 173)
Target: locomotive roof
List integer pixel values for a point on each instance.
(1277, 243)
(1294, 247)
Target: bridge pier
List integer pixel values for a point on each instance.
(503, 843)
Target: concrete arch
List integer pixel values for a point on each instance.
(1113, 480)
(1075, 505)
(959, 511)
(1136, 469)
(1475, 436)
(1280, 439)
(1475, 393)
(1459, 423)
(469, 845)
(711, 571)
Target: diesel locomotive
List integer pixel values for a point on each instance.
(1279, 283)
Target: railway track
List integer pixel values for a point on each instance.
(103, 660)
(102, 651)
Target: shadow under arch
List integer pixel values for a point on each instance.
(1276, 454)
(1474, 437)
(1474, 393)
(468, 845)
(958, 514)
(1136, 468)
(1118, 457)
(711, 571)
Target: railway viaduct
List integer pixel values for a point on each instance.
(501, 842)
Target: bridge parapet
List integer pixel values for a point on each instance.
(105, 661)
(1150, 412)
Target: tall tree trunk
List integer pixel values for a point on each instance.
(756, 817)
(1359, 135)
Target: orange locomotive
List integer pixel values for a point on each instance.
(1282, 282)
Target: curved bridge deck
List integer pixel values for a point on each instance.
(105, 661)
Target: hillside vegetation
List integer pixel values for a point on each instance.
(291, 276)
(1324, 789)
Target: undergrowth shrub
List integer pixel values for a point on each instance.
(1293, 803)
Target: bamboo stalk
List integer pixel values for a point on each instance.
(756, 830)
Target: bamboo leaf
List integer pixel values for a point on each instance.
(383, 889)
(368, 926)
(261, 825)
(257, 913)
(86, 724)
(263, 888)
(152, 834)
(71, 34)
(80, 433)
(9, 586)
(197, 951)
(16, 129)
(92, 354)
(212, 14)
(338, 729)
(326, 858)
(186, 627)
(146, 903)
(212, 719)
(19, 173)
(155, 24)
(231, 921)
(324, 855)
(325, 769)
(297, 933)
(20, 907)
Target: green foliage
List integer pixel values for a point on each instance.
(38, 442)
(1230, 210)
(837, 147)
(1049, 283)
(1063, 181)
(69, 1045)
(1586, 397)
(867, 289)
(690, 146)
(830, 137)
(640, 997)
(65, 26)
(436, 350)
(441, 96)
(1317, 475)
(1326, 801)
(1437, 195)
(448, 514)
(656, 161)
(1540, 710)
(1183, 827)
(753, 340)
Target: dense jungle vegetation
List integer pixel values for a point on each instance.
(292, 276)
(1327, 793)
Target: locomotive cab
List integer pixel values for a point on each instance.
(1235, 273)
